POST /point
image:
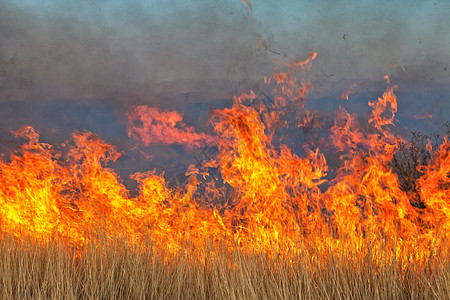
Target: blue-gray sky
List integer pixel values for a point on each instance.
(141, 50)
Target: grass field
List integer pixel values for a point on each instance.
(113, 270)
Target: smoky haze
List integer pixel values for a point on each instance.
(150, 51)
(82, 65)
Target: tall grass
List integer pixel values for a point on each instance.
(112, 269)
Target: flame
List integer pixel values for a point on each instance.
(434, 188)
(344, 95)
(426, 116)
(150, 125)
(276, 201)
(346, 132)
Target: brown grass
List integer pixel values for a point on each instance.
(114, 270)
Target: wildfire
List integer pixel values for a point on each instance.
(280, 201)
(150, 125)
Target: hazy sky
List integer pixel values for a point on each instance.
(136, 50)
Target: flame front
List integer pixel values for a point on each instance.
(279, 201)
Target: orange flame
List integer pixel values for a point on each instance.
(434, 188)
(344, 95)
(150, 125)
(280, 201)
(426, 116)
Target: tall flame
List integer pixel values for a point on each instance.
(279, 200)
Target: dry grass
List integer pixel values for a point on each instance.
(114, 270)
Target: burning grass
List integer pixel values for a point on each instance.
(284, 229)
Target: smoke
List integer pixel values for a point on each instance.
(146, 51)
(127, 50)
(81, 65)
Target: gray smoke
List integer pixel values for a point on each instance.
(80, 65)
(148, 51)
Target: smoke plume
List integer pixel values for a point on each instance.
(145, 51)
